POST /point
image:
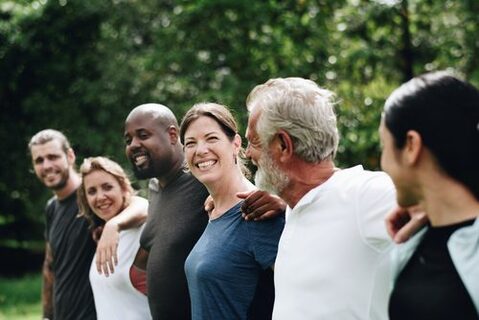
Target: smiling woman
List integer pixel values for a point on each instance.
(225, 268)
(104, 193)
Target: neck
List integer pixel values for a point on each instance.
(224, 192)
(74, 181)
(306, 176)
(175, 170)
(448, 202)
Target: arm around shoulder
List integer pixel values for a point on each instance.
(132, 216)
(261, 205)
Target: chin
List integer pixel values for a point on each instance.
(266, 187)
(142, 173)
(49, 184)
(105, 216)
(57, 185)
(206, 178)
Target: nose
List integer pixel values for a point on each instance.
(202, 148)
(133, 145)
(100, 195)
(135, 142)
(47, 164)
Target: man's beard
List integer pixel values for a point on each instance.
(65, 175)
(145, 173)
(269, 177)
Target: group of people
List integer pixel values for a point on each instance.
(209, 241)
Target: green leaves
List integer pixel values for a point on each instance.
(81, 66)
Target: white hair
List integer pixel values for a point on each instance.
(301, 108)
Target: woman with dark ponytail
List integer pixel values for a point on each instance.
(430, 137)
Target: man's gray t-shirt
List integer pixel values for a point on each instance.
(176, 220)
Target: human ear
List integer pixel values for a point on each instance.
(237, 143)
(286, 145)
(173, 134)
(413, 147)
(71, 156)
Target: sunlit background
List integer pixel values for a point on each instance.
(80, 66)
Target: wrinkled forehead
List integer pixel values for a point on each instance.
(253, 122)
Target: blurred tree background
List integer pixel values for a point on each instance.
(81, 66)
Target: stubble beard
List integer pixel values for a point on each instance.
(65, 175)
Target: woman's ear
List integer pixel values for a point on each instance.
(413, 147)
(237, 143)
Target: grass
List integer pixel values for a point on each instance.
(20, 298)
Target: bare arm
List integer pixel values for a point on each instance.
(48, 279)
(257, 205)
(132, 216)
(260, 205)
(402, 223)
(141, 259)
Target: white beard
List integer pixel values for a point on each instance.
(269, 177)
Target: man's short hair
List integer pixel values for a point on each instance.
(48, 135)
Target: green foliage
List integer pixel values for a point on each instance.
(20, 298)
(80, 66)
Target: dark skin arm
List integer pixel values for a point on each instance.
(258, 205)
(141, 259)
(140, 264)
(48, 279)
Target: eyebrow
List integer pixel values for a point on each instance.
(206, 135)
(47, 156)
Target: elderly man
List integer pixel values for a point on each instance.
(332, 257)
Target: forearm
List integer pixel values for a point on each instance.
(132, 216)
(47, 295)
(138, 271)
(47, 286)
